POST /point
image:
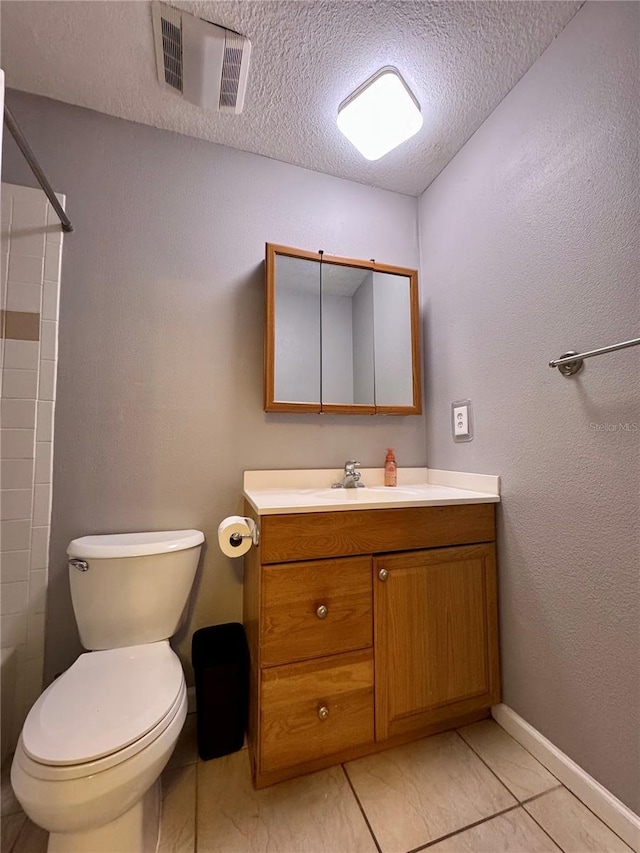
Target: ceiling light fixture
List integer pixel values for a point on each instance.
(380, 114)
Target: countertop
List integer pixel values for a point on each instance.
(282, 492)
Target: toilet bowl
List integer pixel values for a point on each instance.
(94, 744)
(78, 787)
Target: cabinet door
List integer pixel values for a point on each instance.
(435, 635)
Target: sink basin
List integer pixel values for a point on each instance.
(368, 493)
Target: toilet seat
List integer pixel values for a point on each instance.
(106, 707)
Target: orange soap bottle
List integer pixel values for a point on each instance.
(390, 469)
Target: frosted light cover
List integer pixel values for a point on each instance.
(380, 115)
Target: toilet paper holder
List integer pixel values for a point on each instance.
(254, 534)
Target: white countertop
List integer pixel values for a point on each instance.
(280, 492)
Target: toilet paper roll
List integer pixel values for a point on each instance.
(228, 527)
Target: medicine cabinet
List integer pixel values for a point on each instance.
(342, 335)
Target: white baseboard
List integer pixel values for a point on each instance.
(596, 797)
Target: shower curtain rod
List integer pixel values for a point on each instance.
(29, 156)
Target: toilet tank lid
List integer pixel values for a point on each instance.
(114, 545)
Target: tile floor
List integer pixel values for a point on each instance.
(471, 791)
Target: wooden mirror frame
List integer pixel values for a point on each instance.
(273, 405)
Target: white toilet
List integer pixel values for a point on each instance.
(92, 748)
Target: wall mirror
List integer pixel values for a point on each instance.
(342, 335)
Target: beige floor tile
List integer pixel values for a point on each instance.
(513, 832)
(518, 769)
(186, 751)
(572, 825)
(312, 814)
(178, 827)
(11, 826)
(9, 803)
(32, 839)
(417, 793)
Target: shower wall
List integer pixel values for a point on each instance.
(30, 263)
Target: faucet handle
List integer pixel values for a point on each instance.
(350, 466)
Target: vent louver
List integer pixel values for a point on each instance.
(172, 52)
(206, 64)
(231, 67)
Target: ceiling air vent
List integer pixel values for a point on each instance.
(206, 64)
(171, 51)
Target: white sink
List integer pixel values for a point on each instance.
(367, 493)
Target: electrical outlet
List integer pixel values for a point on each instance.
(461, 426)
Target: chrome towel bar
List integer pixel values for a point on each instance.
(571, 362)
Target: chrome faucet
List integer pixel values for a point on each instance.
(351, 479)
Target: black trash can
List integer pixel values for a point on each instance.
(220, 658)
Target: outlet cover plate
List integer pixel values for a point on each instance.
(461, 422)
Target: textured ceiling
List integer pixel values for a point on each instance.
(459, 58)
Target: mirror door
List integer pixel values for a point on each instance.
(297, 330)
(346, 338)
(394, 341)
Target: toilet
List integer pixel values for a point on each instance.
(88, 763)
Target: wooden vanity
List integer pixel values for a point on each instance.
(367, 628)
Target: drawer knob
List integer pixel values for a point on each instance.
(323, 712)
(383, 574)
(322, 612)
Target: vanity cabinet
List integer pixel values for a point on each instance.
(391, 636)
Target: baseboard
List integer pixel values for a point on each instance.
(608, 808)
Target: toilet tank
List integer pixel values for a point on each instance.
(132, 588)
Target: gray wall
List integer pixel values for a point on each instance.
(161, 335)
(529, 247)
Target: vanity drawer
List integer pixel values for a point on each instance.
(312, 535)
(315, 708)
(315, 608)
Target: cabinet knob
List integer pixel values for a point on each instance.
(322, 612)
(383, 574)
(323, 712)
